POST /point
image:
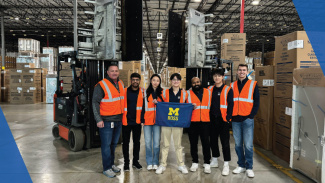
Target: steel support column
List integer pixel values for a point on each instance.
(2, 41)
(75, 25)
(242, 10)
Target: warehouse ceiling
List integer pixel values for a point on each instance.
(51, 21)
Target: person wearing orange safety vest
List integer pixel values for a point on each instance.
(220, 115)
(200, 123)
(108, 108)
(151, 131)
(177, 95)
(133, 98)
(246, 103)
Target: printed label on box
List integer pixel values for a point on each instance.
(288, 111)
(3, 88)
(27, 66)
(32, 88)
(19, 71)
(19, 80)
(268, 82)
(295, 44)
(31, 71)
(225, 41)
(19, 88)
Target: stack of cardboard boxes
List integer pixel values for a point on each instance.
(127, 68)
(66, 76)
(233, 47)
(292, 51)
(263, 127)
(269, 58)
(10, 62)
(257, 58)
(28, 51)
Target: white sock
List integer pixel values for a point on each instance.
(226, 163)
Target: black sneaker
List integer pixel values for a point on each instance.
(136, 165)
(126, 168)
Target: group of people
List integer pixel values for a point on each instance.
(214, 108)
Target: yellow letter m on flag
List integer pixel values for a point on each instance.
(173, 111)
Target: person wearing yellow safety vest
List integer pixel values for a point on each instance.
(133, 98)
(108, 108)
(174, 94)
(220, 115)
(152, 96)
(246, 103)
(200, 123)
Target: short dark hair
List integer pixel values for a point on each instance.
(111, 66)
(218, 71)
(135, 75)
(177, 75)
(243, 65)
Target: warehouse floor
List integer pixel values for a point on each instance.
(50, 160)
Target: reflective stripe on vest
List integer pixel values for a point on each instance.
(210, 87)
(184, 96)
(249, 94)
(209, 104)
(200, 107)
(226, 91)
(164, 94)
(111, 99)
(189, 96)
(146, 103)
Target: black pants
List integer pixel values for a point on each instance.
(202, 130)
(219, 128)
(136, 134)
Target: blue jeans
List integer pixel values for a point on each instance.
(109, 138)
(152, 141)
(243, 133)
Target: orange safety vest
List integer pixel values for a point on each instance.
(113, 101)
(139, 107)
(243, 101)
(183, 98)
(223, 100)
(202, 111)
(150, 110)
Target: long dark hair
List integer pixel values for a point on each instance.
(158, 90)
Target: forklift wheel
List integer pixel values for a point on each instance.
(76, 139)
(55, 132)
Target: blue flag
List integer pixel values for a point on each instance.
(174, 114)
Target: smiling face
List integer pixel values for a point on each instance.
(175, 82)
(113, 72)
(135, 81)
(217, 78)
(196, 83)
(155, 81)
(242, 72)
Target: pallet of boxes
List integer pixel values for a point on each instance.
(10, 62)
(127, 68)
(263, 121)
(233, 47)
(66, 76)
(269, 58)
(292, 51)
(257, 58)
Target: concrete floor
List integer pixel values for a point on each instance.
(50, 160)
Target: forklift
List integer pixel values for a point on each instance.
(72, 110)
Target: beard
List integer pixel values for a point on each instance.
(197, 88)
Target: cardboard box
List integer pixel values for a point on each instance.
(233, 38)
(134, 66)
(25, 65)
(309, 77)
(264, 75)
(281, 151)
(16, 95)
(31, 95)
(283, 90)
(269, 61)
(270, 54)
(32, 77)
(282, 111)
(233, 47)
(295, 48)
(125, 77)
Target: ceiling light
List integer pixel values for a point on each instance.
(23, 30)
(17, 18)
(257, 24)
(25, 35)
(256, 2)
(43, 18)
(256, 39)
(42, 35)
(270, 25)
(197, 1)
(64, 36)
(36, 31)
(13, 34)
(11, 18)
(48, 31)
(54, 35)
(61, 32)
(284, 25)
(11, 30)
(267, 40)
(59, 19)
(90, 20)
(27, 18)
(227, 23)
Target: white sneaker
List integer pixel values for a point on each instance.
(155, 167)
(160, 169)
(238, 170)
(250, 173)
(207, 168)
(194, 167)
(183, 169)
(214, 163)
(149, 167)
(225, 170)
